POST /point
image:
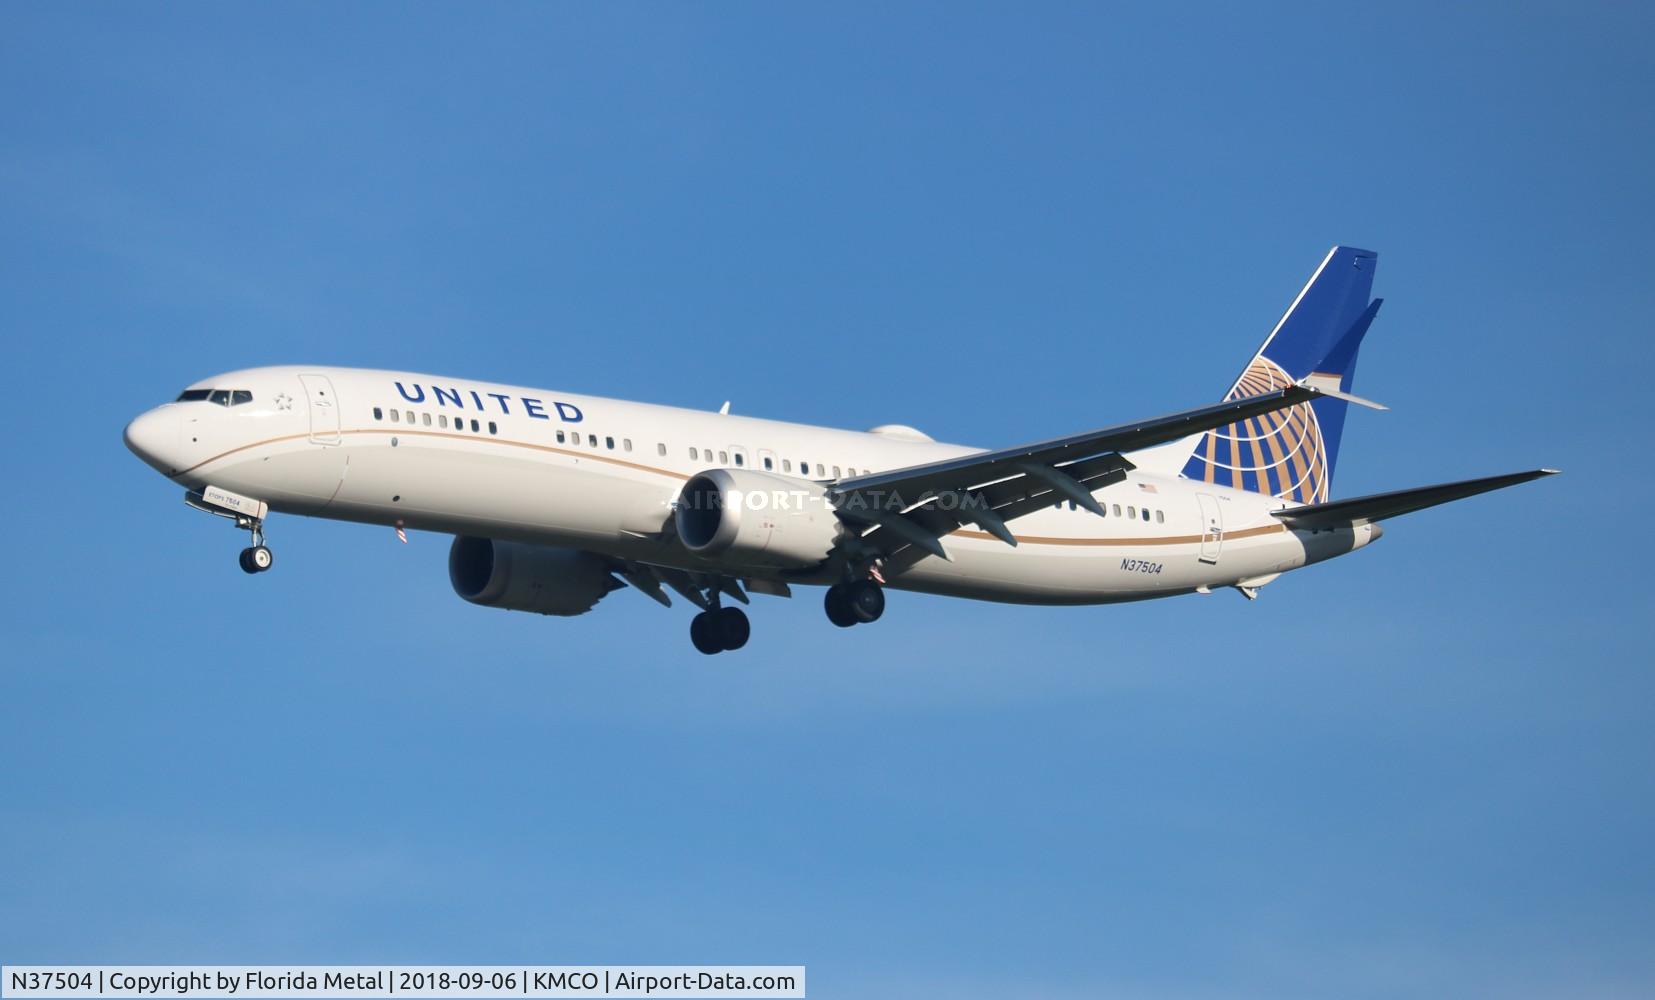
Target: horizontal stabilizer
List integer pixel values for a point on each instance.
(1349, 397)
(1377, 507)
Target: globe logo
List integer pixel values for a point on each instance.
(1280, 453)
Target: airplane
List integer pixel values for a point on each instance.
(556, 500)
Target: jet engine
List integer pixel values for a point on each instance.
(749, 518)
(519, 577)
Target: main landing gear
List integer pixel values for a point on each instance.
(720, 629)
(856, 603)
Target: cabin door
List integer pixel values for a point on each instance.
(324, 409)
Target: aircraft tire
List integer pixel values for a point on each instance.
(732, 628)
(837, 607)
(703, 634)
(865, 600)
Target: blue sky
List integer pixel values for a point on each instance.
(1421, 771)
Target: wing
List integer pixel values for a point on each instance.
(908, 510)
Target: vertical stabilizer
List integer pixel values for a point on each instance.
(1291, 453)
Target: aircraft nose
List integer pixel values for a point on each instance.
(153, 436)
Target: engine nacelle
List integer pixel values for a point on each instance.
(519, 577)
(750, 518)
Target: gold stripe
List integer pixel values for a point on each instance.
(232, 451)
(1267, 529)
(458, 437)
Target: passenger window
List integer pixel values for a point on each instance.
(592, 440)
(240, 396)
(1131, 512)
(442, 420)
(1146, 513)
(694, 455)
(475, 427)
(396, 416)
(410, 415)
(787, 465)
(661, 449)
(1160, 517)
(739, 459)
(820, 472)
(560, 435)
(723, 458)
(836, 472)
(492, 429)
(626, 444)
(1117, 510)
(379, 414)
(768, 465)
(425, 418)
(609, 443)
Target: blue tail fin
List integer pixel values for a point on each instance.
(1291, 453)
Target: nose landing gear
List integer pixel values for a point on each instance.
(247, 513)
(257, 557)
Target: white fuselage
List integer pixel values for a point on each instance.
(601, 475)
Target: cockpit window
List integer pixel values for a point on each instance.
(223, 397)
